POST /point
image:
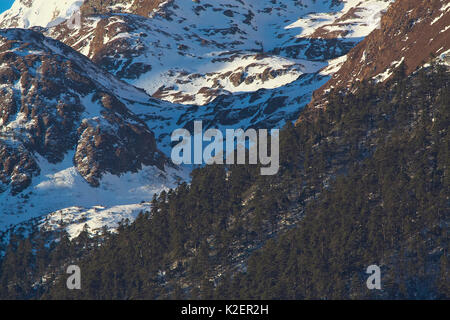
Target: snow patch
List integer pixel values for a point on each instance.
(42, 13)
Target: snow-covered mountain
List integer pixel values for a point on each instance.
(247, 54)
(412, 32)
(67, 136)
(190, 52)
(43, 13)
(86, 120)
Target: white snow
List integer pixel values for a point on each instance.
(368, 16)
(43, 13)
(74, 219)
(334, 65)
(190, 49)
(388, 72)
(61, 186)
(445, 7)
(181, 59)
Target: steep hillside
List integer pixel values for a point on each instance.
(84, 139)
(190, 52)
(412, 32)
(64, 127)
(42, 13)
(240, 63)
(262, 60)
(365, 184)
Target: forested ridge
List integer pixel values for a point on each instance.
(364, 181)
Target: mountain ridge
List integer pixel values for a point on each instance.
(411, 32)
(66, 123)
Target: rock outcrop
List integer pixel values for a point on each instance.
(55, 100)
(412, 32)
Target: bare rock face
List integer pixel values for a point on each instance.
(412, 32)
(139, 7)
(111, 145)
(17, 167)
(212, 60)
(39, 110)
(191, 52)
(55, 100)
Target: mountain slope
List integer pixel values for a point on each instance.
(262, 60)
(412, 32)
(365, 184)
(43, 13)
(65, 128)
(191, 52)
(61, 109)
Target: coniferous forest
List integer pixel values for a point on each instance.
(364, 181)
